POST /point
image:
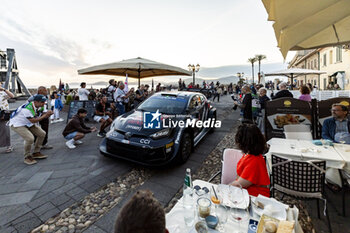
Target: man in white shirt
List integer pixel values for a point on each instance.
(121, 97)
(24, 122)
(82, 92)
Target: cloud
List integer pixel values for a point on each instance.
(42, 53)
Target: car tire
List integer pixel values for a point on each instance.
(185, 149)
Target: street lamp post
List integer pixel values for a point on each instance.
(193, 69)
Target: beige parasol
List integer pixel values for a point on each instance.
(307, 24)
(135, 68)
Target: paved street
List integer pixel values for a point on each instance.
(29, 195)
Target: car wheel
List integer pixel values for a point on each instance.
(185, 148)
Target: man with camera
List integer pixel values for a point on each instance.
(24, 121)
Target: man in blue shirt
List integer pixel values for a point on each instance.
(337, 128)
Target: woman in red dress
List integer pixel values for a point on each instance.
(251, 168)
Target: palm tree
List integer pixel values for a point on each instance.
(252, 60)
(260, 57)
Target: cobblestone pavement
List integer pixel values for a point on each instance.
(30, 195)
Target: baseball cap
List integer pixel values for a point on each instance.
(39, 98)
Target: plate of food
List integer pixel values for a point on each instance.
(269, 224)
(278, 121)
(270, 207)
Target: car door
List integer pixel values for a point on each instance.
(193, 110)
(204, 103)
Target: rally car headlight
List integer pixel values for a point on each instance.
(161, 134)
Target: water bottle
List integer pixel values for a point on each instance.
(188, 190)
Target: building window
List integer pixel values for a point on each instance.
(308, 65)
(312, 64)
(331, 57)
(338, 54)
(315, 63)
(325, 59)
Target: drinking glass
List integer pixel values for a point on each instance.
(204, 205)
(342, 140)
(216, 197)
(189, 215)
(292, 145)
(222, 214)
(237, 198)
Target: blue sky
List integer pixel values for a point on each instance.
(54, 38)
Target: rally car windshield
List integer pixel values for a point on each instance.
(165, 104)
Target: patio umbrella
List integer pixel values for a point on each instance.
(294, 72)
(135, 68)
(307, 24)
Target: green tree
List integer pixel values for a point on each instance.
(259, 58)
(252, 61)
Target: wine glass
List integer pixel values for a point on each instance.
(237, 199)
(342, 140)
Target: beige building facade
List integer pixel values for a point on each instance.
(335, 61)
(306, 59)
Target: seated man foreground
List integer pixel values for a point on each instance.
(103, 115)
(141, 214)
(337, 128)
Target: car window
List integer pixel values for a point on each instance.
(203, 99)
(165, 104)
(195, 101)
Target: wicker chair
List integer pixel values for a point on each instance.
(302, 180)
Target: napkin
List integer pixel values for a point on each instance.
(273, 208)
(317, 142)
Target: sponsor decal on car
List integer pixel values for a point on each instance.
(145, 141)
(135, 127)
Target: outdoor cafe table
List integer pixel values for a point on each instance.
(175, 221)
(295, 149)
(344, 152)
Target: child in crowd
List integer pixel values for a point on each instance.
(56, 107)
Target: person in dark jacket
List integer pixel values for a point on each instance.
(283, 92)
(263, 98)
(76, 129)
(338, 125)
(246, 104)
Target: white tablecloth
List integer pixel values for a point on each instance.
(283, 147)
(175, 220)
(344, 152)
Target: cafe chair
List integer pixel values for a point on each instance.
(345, 178)
(301, 180)
(300, 131)
(229, 166)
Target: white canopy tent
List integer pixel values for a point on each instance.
(294, 72)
